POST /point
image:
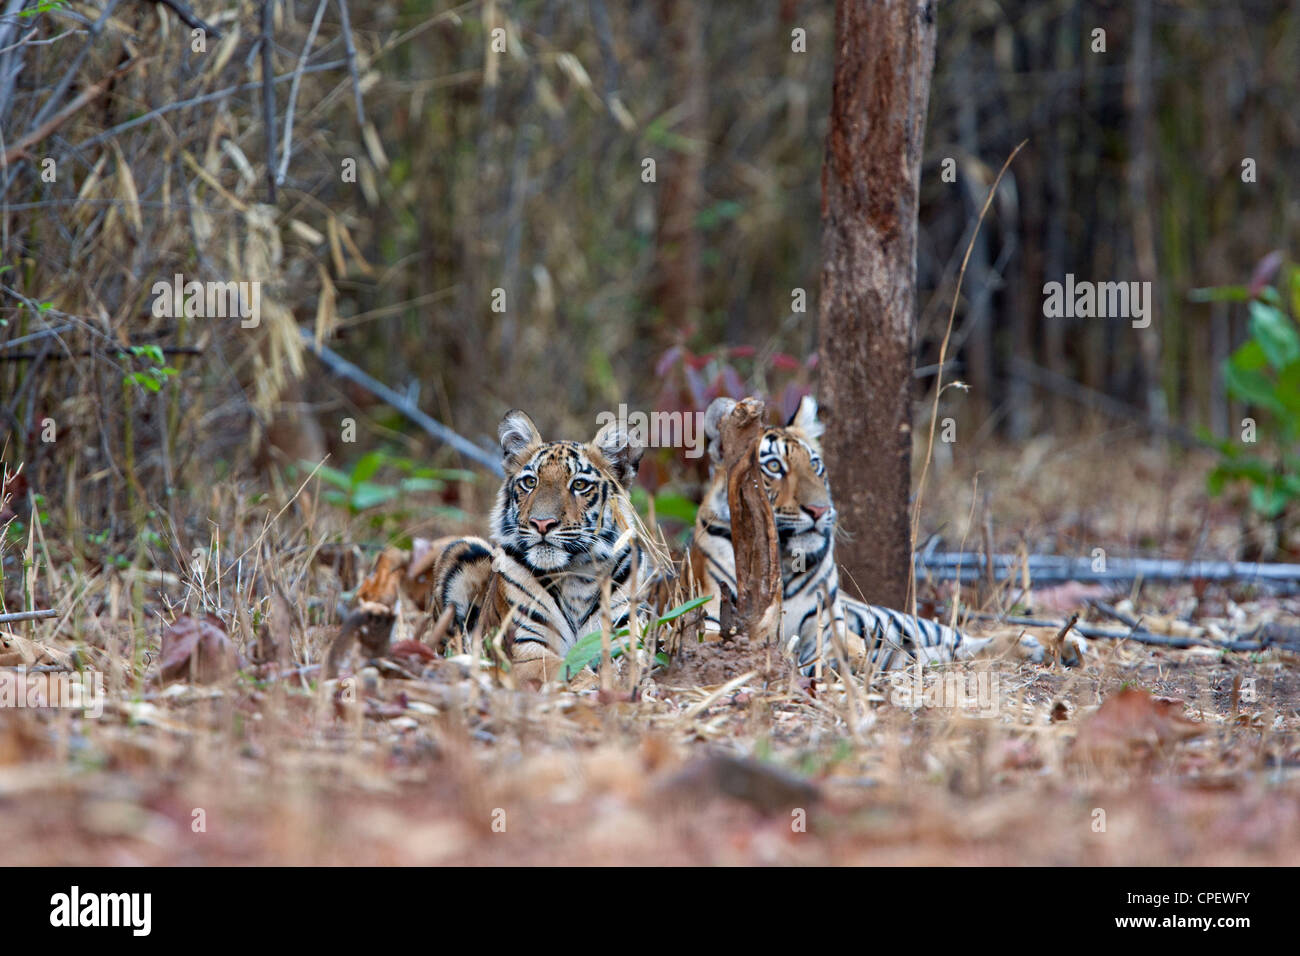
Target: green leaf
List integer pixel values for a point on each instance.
(1276, 334)
(1270, 501)
(675, 507)
(1252, 387)
(327, 474)
(444, 474)
(367, 494)
(1250, 357)
(421, 485)
(366, 466)
(681, 609)
(587, 651)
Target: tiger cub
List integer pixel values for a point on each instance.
(562, 526)
(794, 478)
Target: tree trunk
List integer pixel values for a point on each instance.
(870, 184)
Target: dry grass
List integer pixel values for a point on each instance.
(434, 758)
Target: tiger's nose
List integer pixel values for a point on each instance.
(815, 510)
(543, 524)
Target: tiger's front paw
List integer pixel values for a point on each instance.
(1072, 652)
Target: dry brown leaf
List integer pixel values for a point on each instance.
(383, 584)
(1132, 727)
(198, 650)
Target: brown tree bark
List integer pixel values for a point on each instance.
(870, 184)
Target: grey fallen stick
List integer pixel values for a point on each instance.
(436, 429)
(17, 616)
(1049, 569)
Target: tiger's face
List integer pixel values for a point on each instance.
(563, 504)
(794, 478)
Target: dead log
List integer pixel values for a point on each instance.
(970, 567)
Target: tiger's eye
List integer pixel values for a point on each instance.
(581, 486)
(528, 482)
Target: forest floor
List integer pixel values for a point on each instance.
(1141, 755)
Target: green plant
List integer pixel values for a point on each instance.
(587, 651)
(357, 490)
(155, 373)
(1264, 373)
(668, 504)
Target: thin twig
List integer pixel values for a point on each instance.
(350, 51)
(1099, 401)
(943, 358)
(196, 101)
(189, 17)
(268, 94)
(87, 353)
(287, 149)
(20, 148)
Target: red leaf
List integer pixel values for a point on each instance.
(198, 650)
(413, 649)
(1265, 271)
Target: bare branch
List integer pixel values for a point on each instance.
(342, 367)
(189, 17)
(351, 51)
(268, 94)
(287, 149)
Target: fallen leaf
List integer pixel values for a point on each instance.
(1132, 727)
(198, 650)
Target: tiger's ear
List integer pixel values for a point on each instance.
(518, 434)
(805, 418)
(719, 409)
(621, 448)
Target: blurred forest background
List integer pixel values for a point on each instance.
(430, 166)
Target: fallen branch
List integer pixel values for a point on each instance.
(1132, 634)
(968, 567)
(16, 616)
(440, 432)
